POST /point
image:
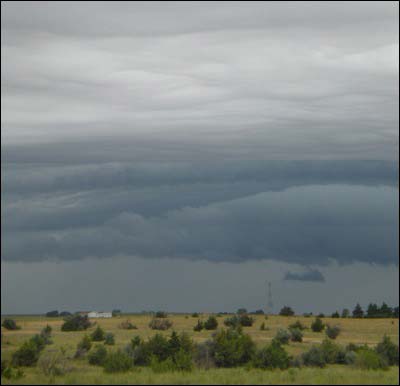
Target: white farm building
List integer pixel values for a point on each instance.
(95, 314)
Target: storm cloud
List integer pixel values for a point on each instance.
(188, 134)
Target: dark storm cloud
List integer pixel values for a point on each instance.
(312, 275)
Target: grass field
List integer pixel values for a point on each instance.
(360, 331)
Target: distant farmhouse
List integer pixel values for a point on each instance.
(95, 314)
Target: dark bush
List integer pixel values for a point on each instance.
(286, 311)
(246, 320)
(282, 336)
(296, 335)
(317, 325)
(232, 348)
(83, 347)
(211, 323)
(65, 313)
(160, 324)
(358, 311)
(335, 315)
(109, 339)
(199, 326)
(297, 324)
(117, 361)
(389, 351)
(233, 321)
(271, 357)
(98, 355)
(27, 354)
(195, 315)
(76, 323)
(161, 314)
(203, 357)
(98, 334)
(45, 334)
(241, 311)
(52, 314)
(332, 352)
(332, 332)
(10, 324)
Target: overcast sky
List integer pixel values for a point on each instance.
(161, 149)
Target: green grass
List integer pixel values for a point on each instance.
(360, 331)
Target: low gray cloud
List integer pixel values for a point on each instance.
(312, 275)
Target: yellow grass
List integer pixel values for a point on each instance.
(369, 331)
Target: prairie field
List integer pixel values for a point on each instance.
(358, 331)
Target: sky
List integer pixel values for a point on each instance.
(181, 155)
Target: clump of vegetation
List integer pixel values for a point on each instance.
(98, 355)
(53, 363)
(195, 315)
(232, 348)
(10, 324)
(52, 314)
(314, 357)
(272, 357)
(211, 323)
(332, 332)
(127, 325)
(317, 325)
(369, 359)
(98, 335)
(335, 315)
(109, 339)
(10, 372)
(28, 353)
(199, 326)
(389, 351)
(286, 311)
(296, 335)
(262, 327)
(358, 311)
(45, 334)
(161, 314)
(160, 324)
(76, 323)
(297, 324)
(282, 336)
(243, 320)
(83, 347)
(117, 361)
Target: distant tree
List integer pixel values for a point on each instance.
(296, 335)
(385, 311)
(358, 311)
(161, 314)
(372, 311)
(241, 311)
(332, 331)
(116, 312)
(258, 312)
(76, 322)
(335, 315)
(211, 323)
(317, 325)
(10, 324)
(396, 312)
(321, 315)
(345, 313)
(52, 314)
(286, 311)
(109, 339)
(199, 326)
(98, 334)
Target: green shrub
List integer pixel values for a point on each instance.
(27, 354)
(85, 344)
(314, 357)
(98, 335)
(297, 324)
(38, 341)
(282, 336)
(203, 355)
(262, 327)
(9, 372)
(195, 315)
(332, 352)
(45, 334)
(161, 314)
(232, 348)
(286, 311)
(53, 363)
(127, 325)
(296, 335)
(246, 320)
(160, 324)
(233, 321)
(183, 361)
(109, 339)
(76, 323)
(98, 355)
(199, 326)
(389, 351)
(317, 325)
(368, 359)
(10, 324)
(211, 323)
(272, 357)
(332, 332)
(117, 361)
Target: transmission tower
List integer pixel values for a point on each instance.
(270, 304)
